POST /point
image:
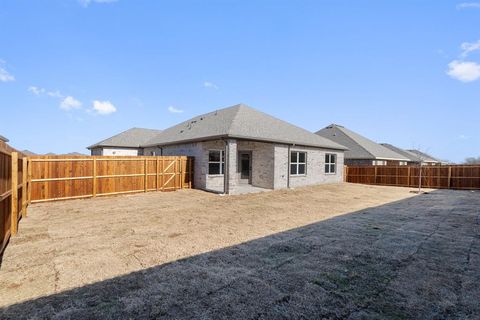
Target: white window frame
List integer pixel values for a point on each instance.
(330, 164)
(298, 163)
(221, 163)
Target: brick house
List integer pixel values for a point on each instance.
(238, 148)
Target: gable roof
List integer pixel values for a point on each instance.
(424, 156)
(131, 138)
(240, 122)
(358, 146)
(410, 155)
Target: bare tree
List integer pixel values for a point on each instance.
(472, 160)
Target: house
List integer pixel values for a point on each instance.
(127, 143)
(3, 139)
(426, 158)
(239, 149)
(413, 159)
(361, 150)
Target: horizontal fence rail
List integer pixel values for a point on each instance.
(13, 192)
(66, 177)
(460, 177)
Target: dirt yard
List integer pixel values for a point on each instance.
(335, 251)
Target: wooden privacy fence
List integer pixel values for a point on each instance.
(67, 177)
(13, 192)
(462, 177)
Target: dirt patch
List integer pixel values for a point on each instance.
(281, 255)
(63, 245)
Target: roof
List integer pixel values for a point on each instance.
(240, 122)
(28, 153)
(410, 155)
(358, 146)
(131, 138)
(2, 138)
(424, 156)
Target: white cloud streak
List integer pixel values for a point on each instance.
(465, 71)
(103, 107)
(70, 103)
(172, 109)
(86, 3)
(211, 85)
(5, 76)
(469, 47)
(468, 5)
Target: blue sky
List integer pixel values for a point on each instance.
(73, 72)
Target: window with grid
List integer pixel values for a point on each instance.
(216, 162)
(298, 163)
(330, 163)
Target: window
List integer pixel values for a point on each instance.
(403, 163)
(298, 163)
(216, 162)
(330, 163)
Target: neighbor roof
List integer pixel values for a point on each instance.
(424, 156)
(2, 138)
(410, 155)
(240, 122)
(358, 146)
(132, 138)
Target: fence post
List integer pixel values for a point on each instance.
(408, 183)
(449, 185)
(145, 178)
(94, 182)
(375, 179)
(156, 170)
(24, 186)
(14, 212)
(180, 160)
(29, 181)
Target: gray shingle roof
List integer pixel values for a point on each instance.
(240, 122)
(132, 138)
(410, 155)
(424, 156)
(358, 146)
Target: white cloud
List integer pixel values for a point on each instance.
(103, 107)
(5, 76)
(54, 94)
(172, 109)
(469, 47)
(464, 71)
(208, 84)
(70, 103)
(467, 5)
(86, 3)
(36, 90)
(40, 91)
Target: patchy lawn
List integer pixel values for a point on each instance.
(335, 251)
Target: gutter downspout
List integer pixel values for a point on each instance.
(226, 178)
(288, 165)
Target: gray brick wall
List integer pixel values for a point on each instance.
(315, 167)
(262, 162)
(269, 164)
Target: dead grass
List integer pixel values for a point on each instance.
(63, 245)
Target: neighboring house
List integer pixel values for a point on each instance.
(28, 153)
(412, 157)
(3, 139)
(238, 148)
(127, 143)
(426, 158)
(361, 151)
